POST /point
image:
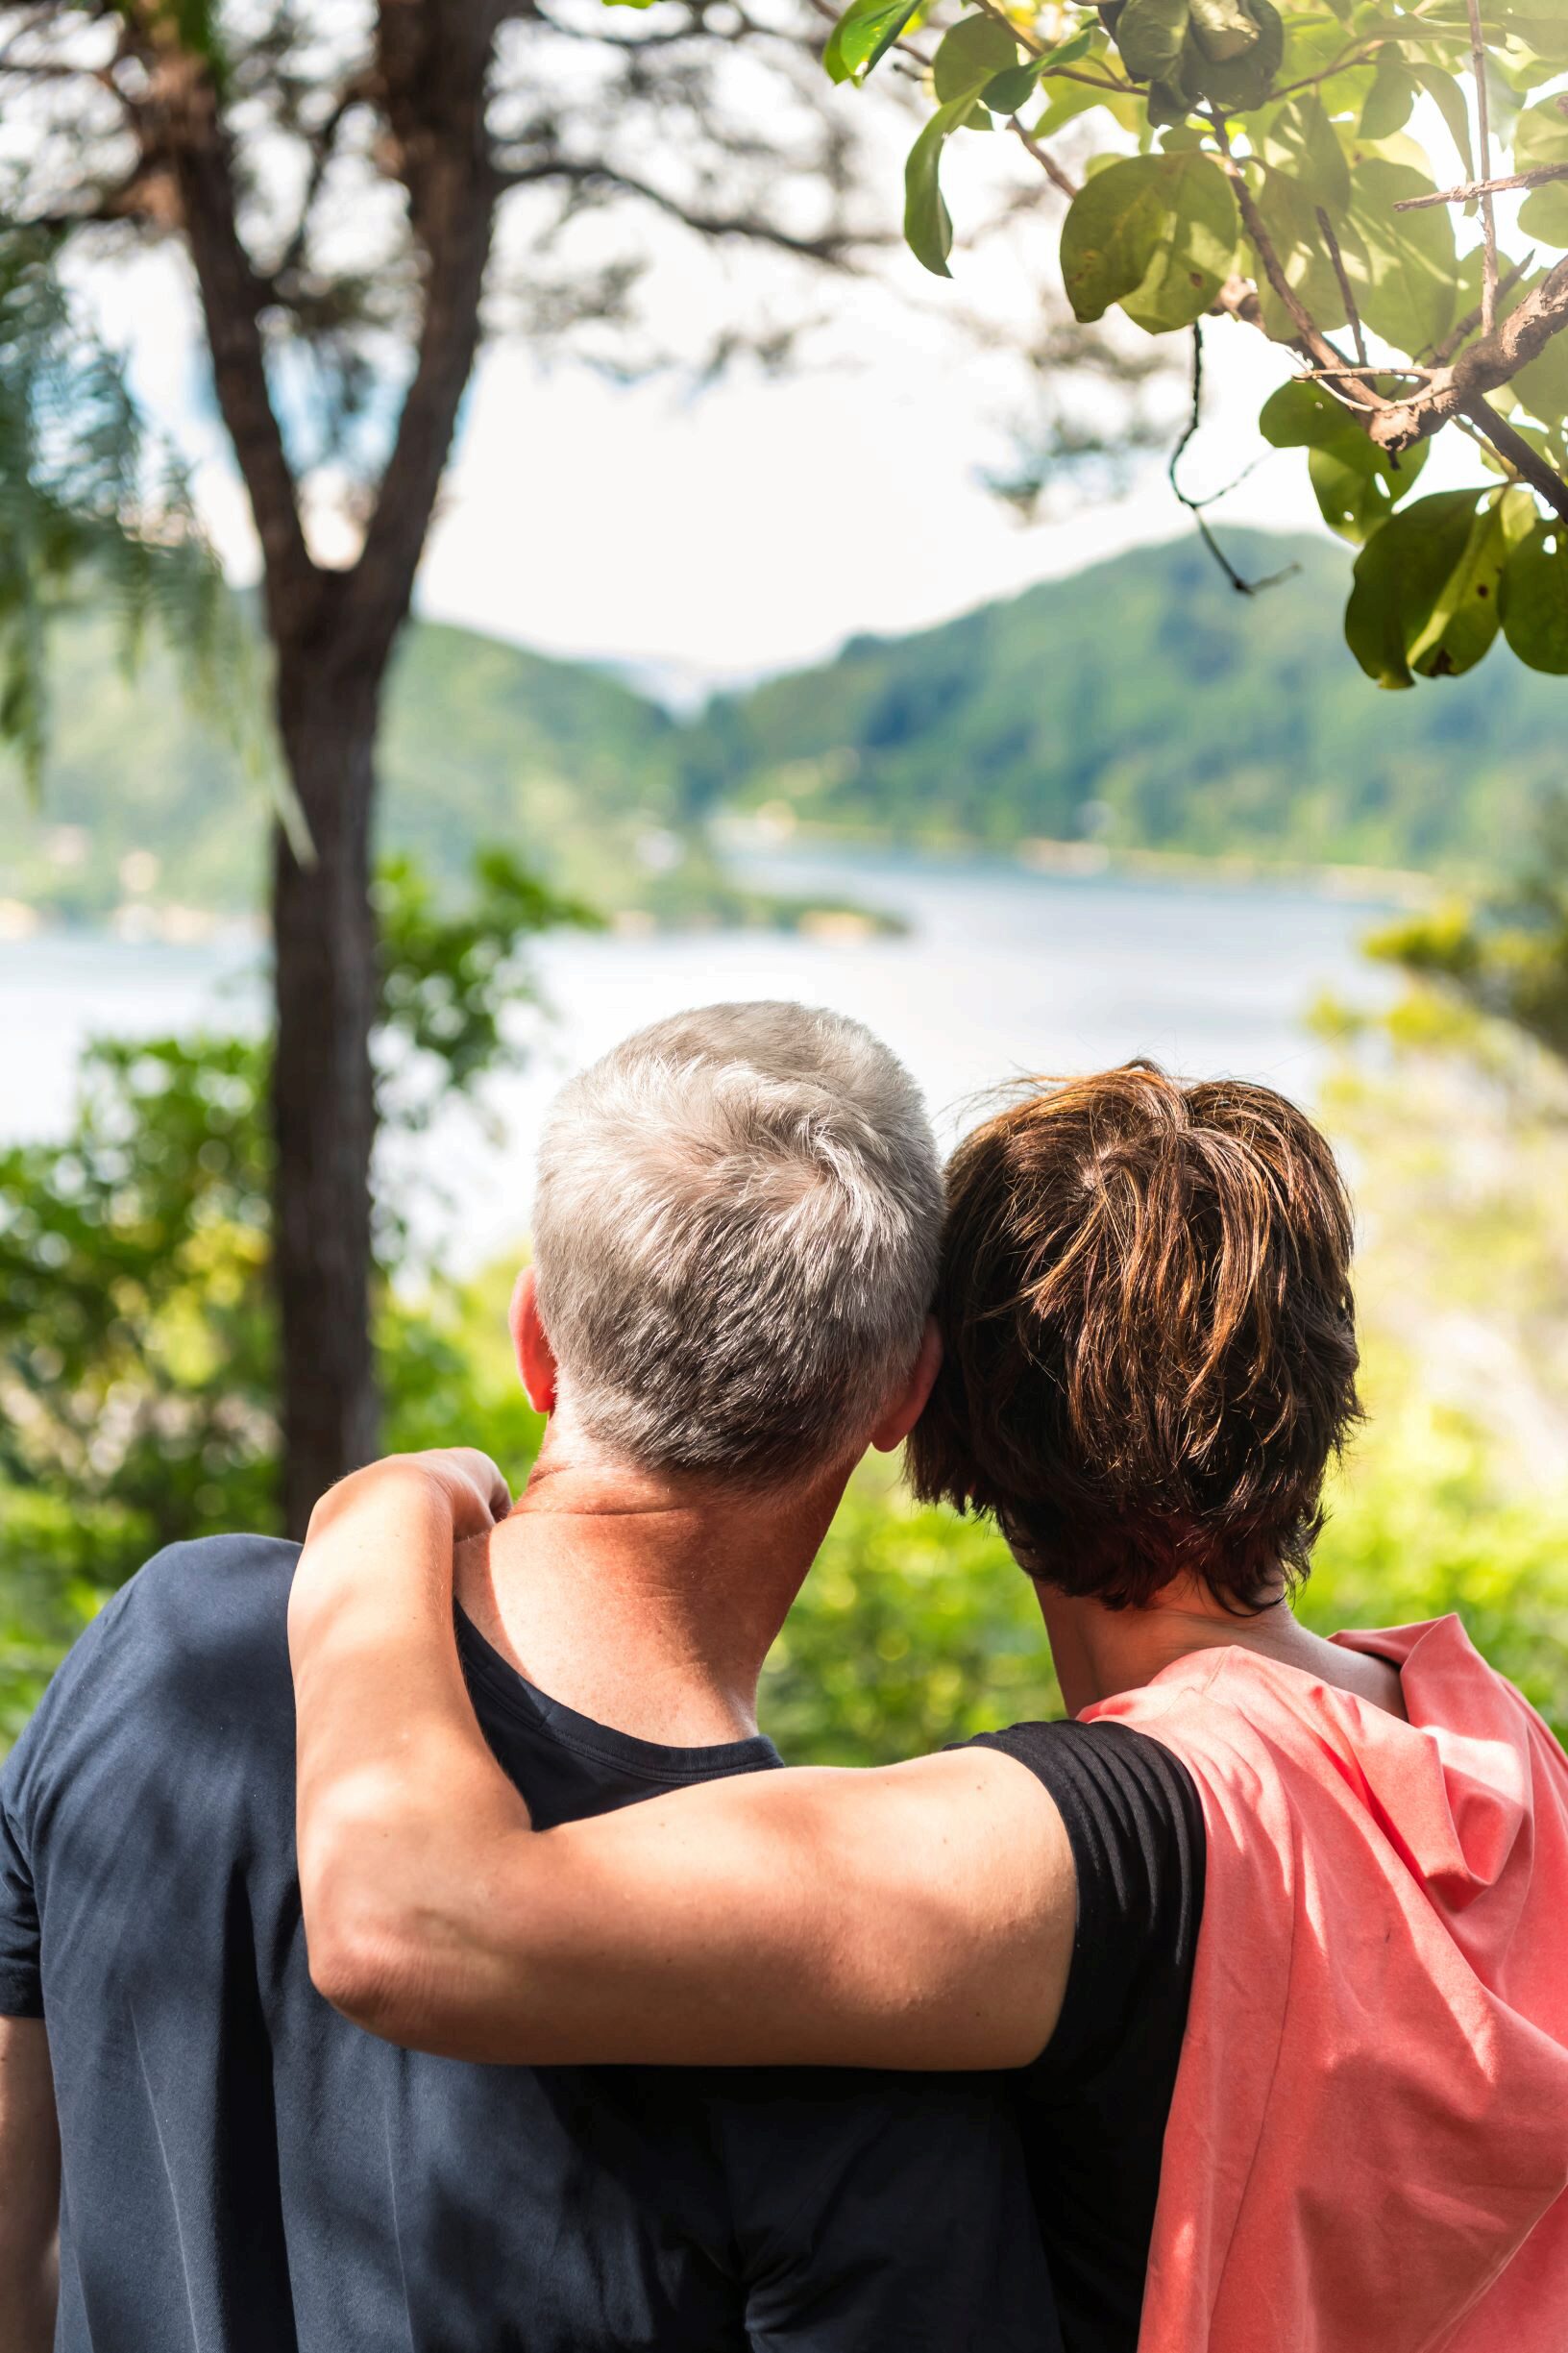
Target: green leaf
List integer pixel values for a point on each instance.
(1313, 44)
(1390, 100)
(1534, 599)
(928, 227)
(1005, 93)
(975, 49)
(1401, 577)
(1149, 34)
(1447, 97)
(1224, 29)
(862, 37)
(1290, 224)
(1070, 99)
(1543, 386)
(1157, 234)
(1464, 619)
(1009, 90)
(1357, 484)
(1540, 136)
(1243, 81)
(1354, 496)
(1403, 266)
(1544, 214)
(1298, 139)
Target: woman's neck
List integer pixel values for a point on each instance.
(1100, 1652)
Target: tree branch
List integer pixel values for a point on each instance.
(180, 130)
(1463, 328)
(1196, 506)
(1489, 213)
(1496, 360)
(354, 93)
(1512, 445)
(1047, 163)
(432, 71)
(1346, 295)
(1469, 191)
(1313, 341)
(832, 247)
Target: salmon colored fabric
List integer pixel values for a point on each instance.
(1367, 2150)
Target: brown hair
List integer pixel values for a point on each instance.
(1150, 1337)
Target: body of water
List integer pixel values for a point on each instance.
(1001, 972)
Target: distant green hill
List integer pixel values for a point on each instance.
(483, 743)
(1142, 702)
(1148, 704)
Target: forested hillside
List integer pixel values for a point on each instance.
(1143, 703)
(485, 743)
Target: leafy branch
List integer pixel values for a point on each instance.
(1249, 165)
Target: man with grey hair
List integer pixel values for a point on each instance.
(736, 1236)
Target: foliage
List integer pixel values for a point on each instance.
(914, 1627)
(1419, 1530)
(137, 1332)
(1505, 958)
(1254, 163)
(1142, 705)
(90, 504)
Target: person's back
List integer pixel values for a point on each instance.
(1391, 1889)
(244, 2173)
(1361, 2089)
(735, 1239)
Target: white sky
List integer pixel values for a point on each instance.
(757, 526)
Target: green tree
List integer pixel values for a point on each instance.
(1506, 957)
(138, 1328)
(1236, 160)
(85, 491)
(359, 196)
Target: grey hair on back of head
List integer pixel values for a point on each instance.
(736, 1232)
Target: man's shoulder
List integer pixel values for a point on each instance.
(206, 1619)
(215, 1572)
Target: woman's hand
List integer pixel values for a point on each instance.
(473, 1488)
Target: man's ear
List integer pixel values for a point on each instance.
(535, 1358)
(905, 1410)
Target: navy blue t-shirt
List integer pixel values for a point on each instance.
(245, 2172)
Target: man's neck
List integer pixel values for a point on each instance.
(645, 1603)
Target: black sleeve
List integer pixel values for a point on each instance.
(874, 2211)
(1096, 2100)
(1135, 1822)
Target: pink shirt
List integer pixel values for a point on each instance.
(1367, 2149)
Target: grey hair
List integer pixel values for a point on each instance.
(736, 1229)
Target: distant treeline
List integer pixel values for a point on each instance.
(1142, 703)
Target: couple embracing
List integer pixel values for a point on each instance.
(1229, 2015)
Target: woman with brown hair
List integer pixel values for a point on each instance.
(1271, 1929)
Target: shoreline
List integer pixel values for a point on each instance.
(148, 923)
(743, 835)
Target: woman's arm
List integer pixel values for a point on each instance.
(919, 1916)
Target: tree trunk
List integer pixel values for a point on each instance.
(323, 1102)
